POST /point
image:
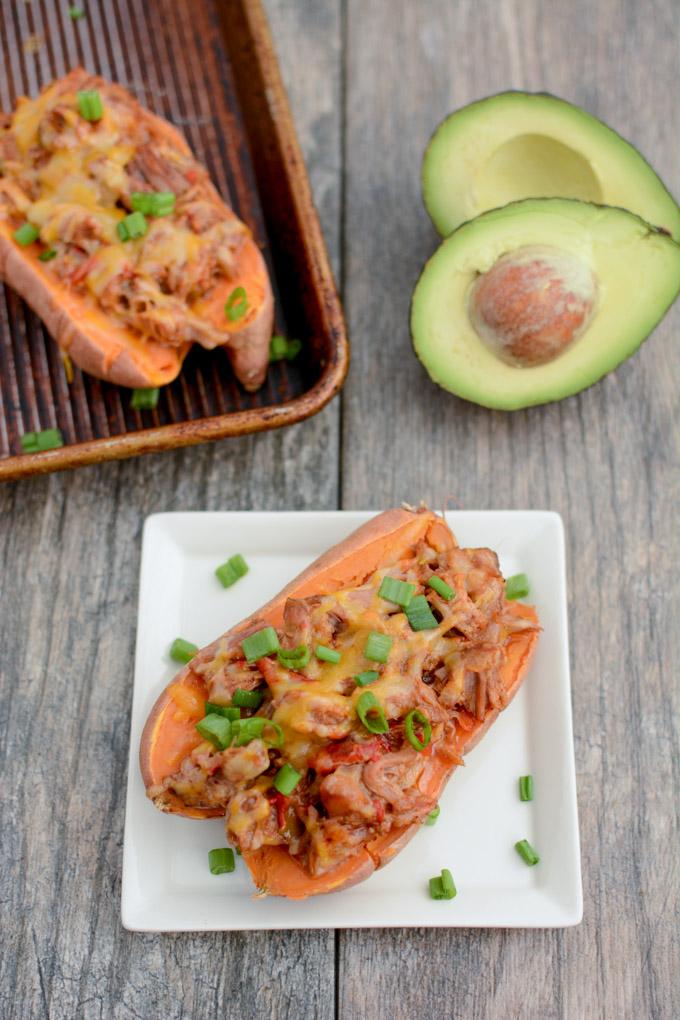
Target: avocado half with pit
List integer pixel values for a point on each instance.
(531, 145)
(538, 300)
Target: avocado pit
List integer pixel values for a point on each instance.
(532, 304)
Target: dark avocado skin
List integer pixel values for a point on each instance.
(650, 231)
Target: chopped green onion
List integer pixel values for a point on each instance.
(182, 651)
(245, 730)
(280, 348)
(378, 646)
(262, 642)
(416, 716)
(420, 615)
(48, 255)
(286, 779)
(294, 658)
(393, 590)
(441, 587)
(447, 884)
(131, 226)
(144, 400)
(221, 861)
(228, 711)
(237, 304)
(369, 676)
(229, 573)
(371, 713)
(527, 852)
(36, 442)
(26, 234)
(90, 105)
(442, 887)
(238, 852)
(526, 787)
(433, 815)
(247, 699)
(517, 586)
(216, 729)
(153, 203)
(76, 13)
(327, 654)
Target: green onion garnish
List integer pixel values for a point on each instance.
(228, 711)
(517, 586)
(144, 400)
(229, 573)
(47, 255)
(76, 13)
(280, 348)
(182, 651)
(245, 730)
(378, 646)
(262, 642)
(286, 779)
(419, 614)
(216, 729)
(527, 852)
(433, 815)
(442, 887)
(247, 699)
(221, 861)
(369, 676)
(447, 884)
(399, 592)
(237, 304)
(90, 105)
(416, 716)
(441, 587)
(26, 234)
(371, 713)
(131, 226)
(327, 654)
(526, 787)
(294, 658)
(153, 203)
(36, 442)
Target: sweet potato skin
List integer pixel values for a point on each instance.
(82, 332)
(273, 870)
(90, 338)
(325, 574)
(276, 873)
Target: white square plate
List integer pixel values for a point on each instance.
(167, 885)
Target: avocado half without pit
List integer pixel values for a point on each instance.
(538, 300)
(520, 145)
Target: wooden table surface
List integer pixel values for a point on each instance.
(369, 80)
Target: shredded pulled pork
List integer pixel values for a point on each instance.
(74, 179)
(356, 785)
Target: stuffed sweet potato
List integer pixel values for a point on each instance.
(362, 684)
(115, 236)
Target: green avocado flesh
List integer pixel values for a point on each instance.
(632, 270)
(521, 145)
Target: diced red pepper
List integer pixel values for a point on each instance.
(281, 803)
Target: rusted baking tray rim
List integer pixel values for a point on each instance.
(235, 423)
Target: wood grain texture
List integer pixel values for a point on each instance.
(69, 555)
(607, 460)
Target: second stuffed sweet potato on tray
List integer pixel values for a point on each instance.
(114, 234)
(325, 726)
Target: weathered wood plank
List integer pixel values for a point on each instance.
(607, 460)
(69, 548)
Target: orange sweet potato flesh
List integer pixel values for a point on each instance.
(169, 734)
(103, 348)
